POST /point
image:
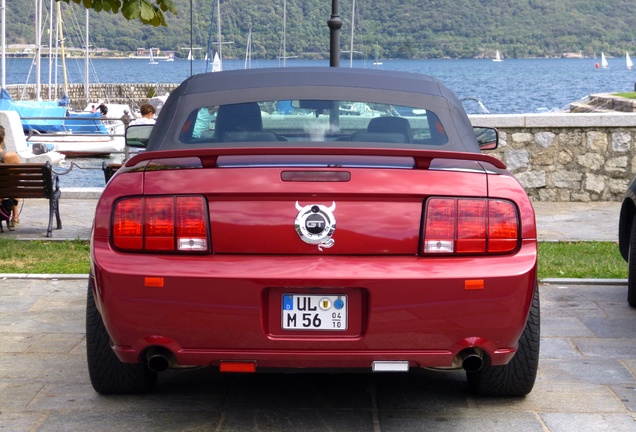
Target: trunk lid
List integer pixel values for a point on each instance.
(370, 207)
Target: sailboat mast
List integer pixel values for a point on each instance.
(353, 17)
(38, 48)
(50, 63)
(61, 35)
(86, 89)
(248, 51)
(218, 30)
(4, 44)
(284, 32)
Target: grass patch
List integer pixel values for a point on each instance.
(595, 260)
(61, 257)
(627, 95)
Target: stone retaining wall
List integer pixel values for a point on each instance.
(567, 157)
(133, 94)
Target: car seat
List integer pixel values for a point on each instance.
(241, 122)
(386, 129)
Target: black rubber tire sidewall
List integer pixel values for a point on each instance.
(516, 378)
(107, 373)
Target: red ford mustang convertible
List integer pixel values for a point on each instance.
(313, 218)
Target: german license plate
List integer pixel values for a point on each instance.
(314, 312)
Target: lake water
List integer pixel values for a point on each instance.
(513, 86)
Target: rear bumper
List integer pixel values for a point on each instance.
(210, 309)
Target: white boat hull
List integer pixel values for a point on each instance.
(81, 146)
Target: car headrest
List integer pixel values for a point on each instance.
(238, 117)
(390, 125)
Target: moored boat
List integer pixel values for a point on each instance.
(72, 145)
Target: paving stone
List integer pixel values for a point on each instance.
(399, 421)
(627, 393)
(607, 347)
(562, 422)
(563, 326)
(557, 347)
(21, 422)
(614, 327)
(600, 371)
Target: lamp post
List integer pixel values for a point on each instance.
(334, 23)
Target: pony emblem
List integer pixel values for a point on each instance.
(315, 224)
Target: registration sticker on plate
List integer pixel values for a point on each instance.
(314, 312)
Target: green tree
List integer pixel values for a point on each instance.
(142, 10)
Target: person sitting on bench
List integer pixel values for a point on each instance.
(9, 158)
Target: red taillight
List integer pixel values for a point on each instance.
(159, 224)
(503, 226)
(128, 224)
(469, 226)
(192, 229)
(166, 223)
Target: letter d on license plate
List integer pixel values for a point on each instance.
(314, 312)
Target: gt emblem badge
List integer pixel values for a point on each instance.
(315, 224)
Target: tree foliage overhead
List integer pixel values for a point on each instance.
(142, 10)
(396, 28)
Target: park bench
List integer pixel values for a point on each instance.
(32, 180)
(110, 169)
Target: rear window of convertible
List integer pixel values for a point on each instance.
(313, 120)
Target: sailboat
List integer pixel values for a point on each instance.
(248, 51)
(283, 46)
(152, 58)
(351, 51)
(216, 63)
(52, 125)
(497, 57)
(377, 61)
(628, 61)
(603, 60)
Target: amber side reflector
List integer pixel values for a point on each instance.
(474, 284)
(235, 366)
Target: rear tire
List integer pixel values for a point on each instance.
(108, 374)
(517, 377)
(631, 260)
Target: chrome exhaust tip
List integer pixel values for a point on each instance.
(472, 359)
(159, 359)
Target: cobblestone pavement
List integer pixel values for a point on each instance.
(586, 381)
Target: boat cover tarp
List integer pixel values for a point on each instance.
(27, 109)
(29, 112)
(85, 126)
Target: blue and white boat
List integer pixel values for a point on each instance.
(53, 126)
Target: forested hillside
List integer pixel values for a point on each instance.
(400, 28)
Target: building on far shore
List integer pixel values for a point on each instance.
(144, 53)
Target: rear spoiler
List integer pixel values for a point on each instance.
(208, 157)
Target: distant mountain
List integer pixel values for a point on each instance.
(401, 28)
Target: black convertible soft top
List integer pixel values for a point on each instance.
(320, 83)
